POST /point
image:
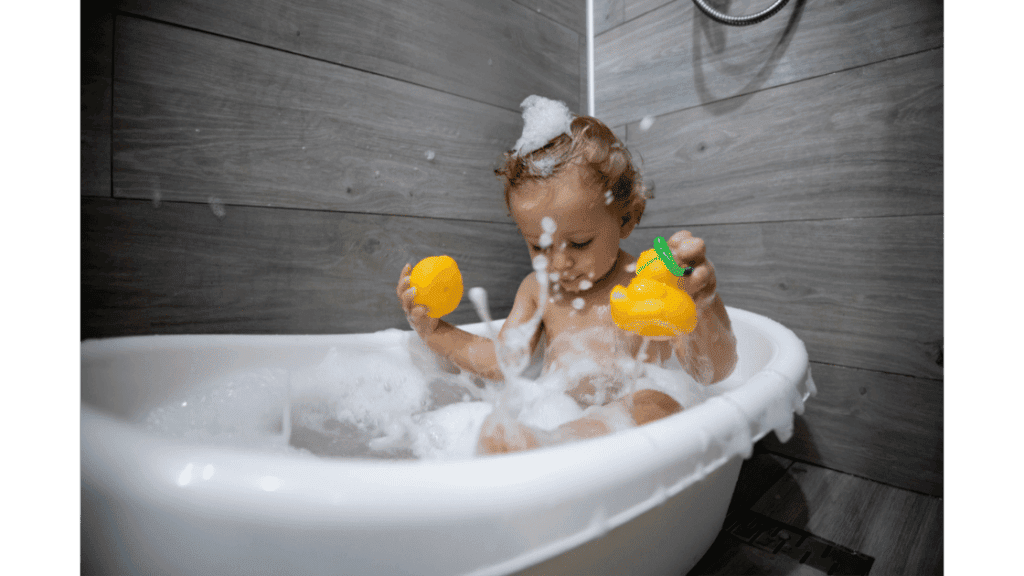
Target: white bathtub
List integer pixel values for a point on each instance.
(649, 500)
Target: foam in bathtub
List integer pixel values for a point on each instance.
(244, 411)
(356, 401)
(391, 396)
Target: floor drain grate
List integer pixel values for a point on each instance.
(778, 538)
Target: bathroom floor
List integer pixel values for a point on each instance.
(790, 517)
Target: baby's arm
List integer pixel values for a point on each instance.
(468, 351)
(709, 352)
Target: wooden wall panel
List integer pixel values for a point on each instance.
(863, 142)
(486, 51)
(674, 57)
(584, 88)
(637, 8)
(197, 115)
(97, 49)
(610, 13)
(879, 426)
(179, 268)
(569, 13)
(864, 293)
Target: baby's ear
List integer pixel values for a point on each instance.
(630, 217)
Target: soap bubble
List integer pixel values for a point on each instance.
(540, 263)
(548, 225)
(217, 206)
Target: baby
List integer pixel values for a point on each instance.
(574, 197)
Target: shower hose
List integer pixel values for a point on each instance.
(740, 20)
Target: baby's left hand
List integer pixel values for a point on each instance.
(689, 251)
(709, 352)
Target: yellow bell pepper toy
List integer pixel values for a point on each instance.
(438, 284)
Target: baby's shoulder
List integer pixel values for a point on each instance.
(529, 288)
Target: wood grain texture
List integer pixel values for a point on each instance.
(880, 426)
(496, 52)
(901, 530)
(97, 50)
(570, 13)
(636, 8)
(611, 13)
(863, 293)
(178, 268)
(757, 475)
(674, 58)
(607, 15)
(864, 142)
(728, 556)
(198, 115)
(584, 74)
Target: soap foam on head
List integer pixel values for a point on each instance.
(543, 119)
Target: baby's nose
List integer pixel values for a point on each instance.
(560, 260)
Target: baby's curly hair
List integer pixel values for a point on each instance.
(592, 145)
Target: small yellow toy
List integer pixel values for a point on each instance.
(653, 309)
(438, 284)
(649, 265)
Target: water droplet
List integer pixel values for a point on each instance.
(217, 206)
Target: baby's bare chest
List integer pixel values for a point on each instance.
(586, 326)
(568, 315)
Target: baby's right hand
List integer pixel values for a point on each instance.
(416, 314)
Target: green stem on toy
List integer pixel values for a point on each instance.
(665, 253)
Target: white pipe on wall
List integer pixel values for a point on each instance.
(590, 57)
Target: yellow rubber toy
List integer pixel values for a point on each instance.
(438, 284)
(652, 308)
(648, 265)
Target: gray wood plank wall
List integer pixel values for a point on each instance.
(807, 151)
(269, 166)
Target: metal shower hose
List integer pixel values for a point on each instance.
(739, 20)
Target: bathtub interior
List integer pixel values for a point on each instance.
(508, 513)
(128, 377)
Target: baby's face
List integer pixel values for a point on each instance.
(585, 243)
